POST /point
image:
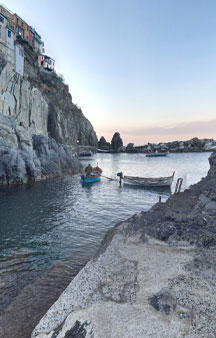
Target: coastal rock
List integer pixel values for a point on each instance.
(154, 275)
(130, 148)
(27, 158)
(38, 122)
(193, 145)
(116, 142)
(103, 144)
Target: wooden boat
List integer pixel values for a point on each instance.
(147, 181)
(103, 151)
(91, 175)
(85, 153)
(156, 154)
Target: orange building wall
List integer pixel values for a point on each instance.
(22, 26)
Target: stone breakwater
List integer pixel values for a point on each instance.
(154, 275)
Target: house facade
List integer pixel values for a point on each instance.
(46, 62)
(9, 38)
(3, 25)
(19, 58)
(21, 28)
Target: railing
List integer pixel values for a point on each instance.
(10, 26)
(22, 27)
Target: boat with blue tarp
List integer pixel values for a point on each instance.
(91, 175)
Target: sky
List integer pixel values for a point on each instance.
(146, 69)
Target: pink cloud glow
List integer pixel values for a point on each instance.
(182, 131)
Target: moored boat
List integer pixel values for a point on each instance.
(147, 181)
(85, 153)
(91, 175)
(156, 154)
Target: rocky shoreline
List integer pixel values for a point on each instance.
(193, 145)
(154, 275)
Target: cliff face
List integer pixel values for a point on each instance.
(37, 106)
(153, 276)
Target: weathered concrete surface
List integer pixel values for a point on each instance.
(154, 275)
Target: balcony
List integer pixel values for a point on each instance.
(20, 26)
(10, 26)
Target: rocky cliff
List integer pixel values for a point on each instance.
(38, 122)
(154, 275)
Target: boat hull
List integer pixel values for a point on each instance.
(149, 182)
(90, 179)
(156, 155)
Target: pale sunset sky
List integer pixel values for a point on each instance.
(145, 68)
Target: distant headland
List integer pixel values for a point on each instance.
(193, 145)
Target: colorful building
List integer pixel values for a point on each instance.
(6, 27)
(46, 62)
(3, 25)
(31, 36)
(21, 28)
(13, 26)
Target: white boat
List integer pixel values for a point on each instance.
(156, 154)
(147, 181)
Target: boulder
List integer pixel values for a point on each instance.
(130, 148)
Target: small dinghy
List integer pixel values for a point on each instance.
(147, 181)
(91, 175)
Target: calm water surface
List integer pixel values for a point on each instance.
(57, 225)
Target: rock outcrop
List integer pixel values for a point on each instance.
(154, 275)
(26, 158)
(38, 122)
(103, 144)
(116, 143)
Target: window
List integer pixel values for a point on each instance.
(22, 24)
(17, 20)
(21, 52)
(1, 19)
(9, 34)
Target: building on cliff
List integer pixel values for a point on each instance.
(13, 29)
(6, 28)
(46, 63)
(3, 24)
(21, 28)
(35, 41)
(19, 59)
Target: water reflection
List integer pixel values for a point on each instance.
(60, 220)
